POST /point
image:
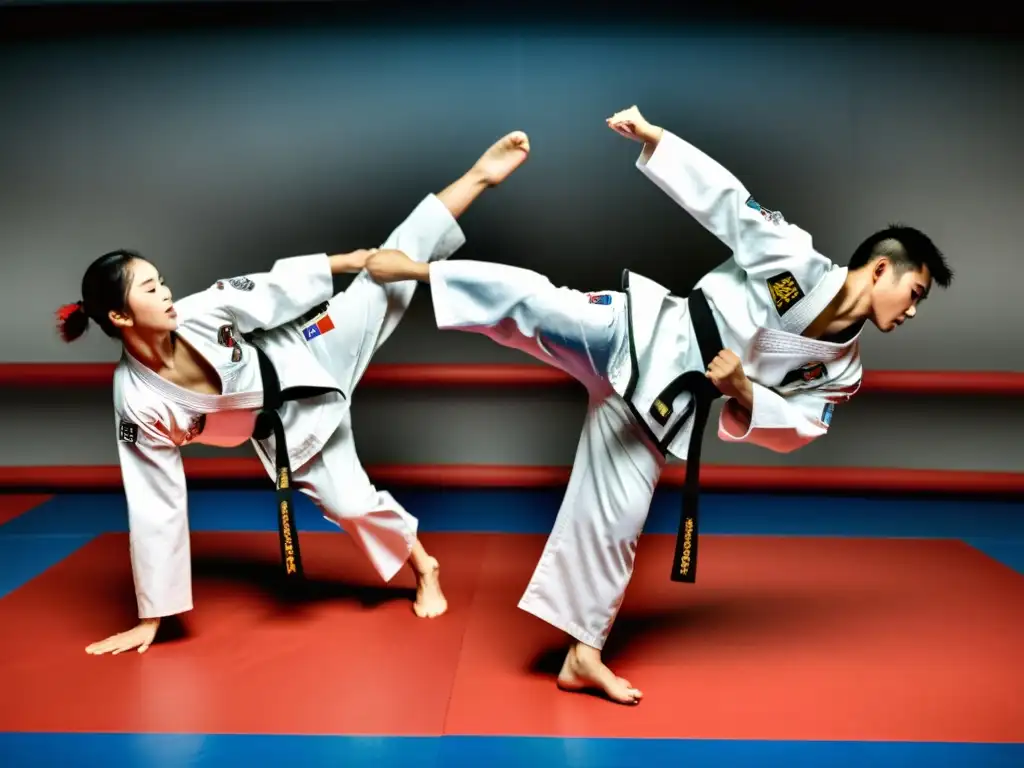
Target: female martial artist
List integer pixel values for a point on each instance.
(197, 370)
(775, 329)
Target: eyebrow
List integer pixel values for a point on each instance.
(147, 281)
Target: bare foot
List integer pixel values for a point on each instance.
(583, 670)
(391, 266)
(430, 601)
(503, 157)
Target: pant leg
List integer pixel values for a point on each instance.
(521, 309)
(338, 484)
(365, 314)
(587, 563)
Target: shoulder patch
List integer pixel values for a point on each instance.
(128, 432)
(242, 283)
(771, 216)
(785, 291)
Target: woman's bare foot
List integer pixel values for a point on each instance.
(494, 166)
(502, 157)
(583, 670)
(430, 600)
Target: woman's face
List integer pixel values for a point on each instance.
(150, 309)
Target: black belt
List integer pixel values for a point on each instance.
(269, 423)
(703, 394)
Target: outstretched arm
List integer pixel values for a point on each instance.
(158, 530)
(762, 242)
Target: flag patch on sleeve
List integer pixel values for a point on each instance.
(128, 432)
(600, 298)
(319, 327)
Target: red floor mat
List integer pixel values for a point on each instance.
(355, 660)
(14, 504)
(781, 639)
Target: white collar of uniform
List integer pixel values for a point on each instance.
(195, 401)
(813, 304)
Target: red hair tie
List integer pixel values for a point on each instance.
(65, 313)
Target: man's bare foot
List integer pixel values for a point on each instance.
(503, 157)
(430, 600)
(391, 266)
(583, 670)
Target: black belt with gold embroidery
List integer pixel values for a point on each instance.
(269, 423)
(703, 394)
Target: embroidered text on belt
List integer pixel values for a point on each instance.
(269, 423)
(703, 394)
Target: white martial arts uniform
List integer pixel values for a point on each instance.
(331, 348)
(632, 343)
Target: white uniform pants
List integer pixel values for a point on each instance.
(587, 563)
(364, 316)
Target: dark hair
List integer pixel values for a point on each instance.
(104, 289)
(906, 248)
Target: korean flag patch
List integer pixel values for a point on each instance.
(242, 283)
(128, 432)
(600, 298)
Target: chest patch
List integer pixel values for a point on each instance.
(785, 291)
(226, 338)
(805, 374)
(195, 428)
(128, 432)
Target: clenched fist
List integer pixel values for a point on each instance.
(631, 124)
(726, 373)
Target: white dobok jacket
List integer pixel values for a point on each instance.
(763, 298)
(155, 418)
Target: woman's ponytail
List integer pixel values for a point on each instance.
(72, 321)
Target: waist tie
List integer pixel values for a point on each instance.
(268, 423)
(703, 394)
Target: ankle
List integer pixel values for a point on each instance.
(584, 653)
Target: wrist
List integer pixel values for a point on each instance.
(651, 139)
(745, 394)
(343, 263)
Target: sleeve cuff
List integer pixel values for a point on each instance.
(768, 411)
(662, 156)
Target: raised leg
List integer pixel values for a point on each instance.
(583, 334)
(366, 314)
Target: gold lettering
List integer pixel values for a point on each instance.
(684, 562)
(282, 479)
(661, 407)
(785, 291)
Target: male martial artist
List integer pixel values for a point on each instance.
(775, 329)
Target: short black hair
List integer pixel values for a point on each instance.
(906, 248)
